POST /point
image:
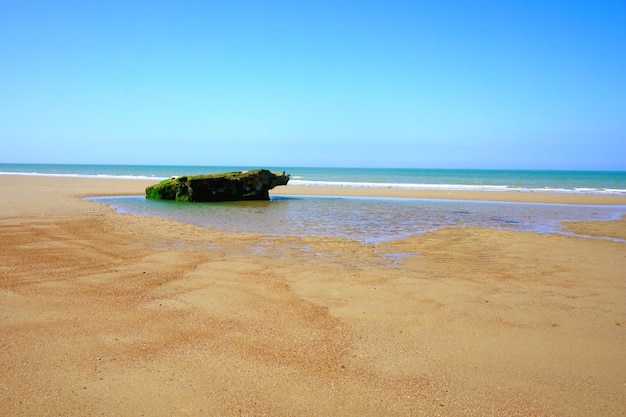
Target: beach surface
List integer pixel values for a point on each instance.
(114, 314)
(506, 196)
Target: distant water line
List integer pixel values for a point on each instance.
(585, 182)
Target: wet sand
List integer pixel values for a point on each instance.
(508, 196)
(114, 314)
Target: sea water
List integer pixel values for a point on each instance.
(360, 218)
(597, 182)
(366, 219)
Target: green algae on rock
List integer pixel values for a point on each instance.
(229, 186)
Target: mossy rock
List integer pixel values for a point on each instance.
(228, 186)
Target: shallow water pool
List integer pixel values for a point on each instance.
(362, 218)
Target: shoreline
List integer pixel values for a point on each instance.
(503, 196)
(100, 187)
(107, 313)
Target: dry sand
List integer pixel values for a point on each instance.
(119, 315)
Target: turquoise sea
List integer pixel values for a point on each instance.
(365, 219)
(603, 182)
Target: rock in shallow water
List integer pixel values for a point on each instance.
(229, 186)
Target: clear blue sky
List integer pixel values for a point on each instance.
(433, 84)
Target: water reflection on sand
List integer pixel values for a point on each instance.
(361, 218)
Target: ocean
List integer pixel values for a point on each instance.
(360, 218)
(602, 182)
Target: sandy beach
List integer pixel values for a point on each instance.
(508, 196)
(108, 314)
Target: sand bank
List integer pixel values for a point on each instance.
(112, 314)
(509, 196)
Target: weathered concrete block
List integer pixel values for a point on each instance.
(229, 186)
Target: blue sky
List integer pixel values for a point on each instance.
(445, 84)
